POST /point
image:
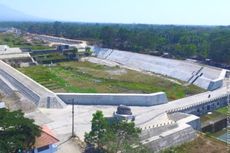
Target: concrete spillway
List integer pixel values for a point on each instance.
(203, 76)
(13, 80)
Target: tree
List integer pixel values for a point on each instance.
(98, 131)
(124, 138)
(16, 131)
(180, 41)
(114, 136)
(88, 51)
(57, 26)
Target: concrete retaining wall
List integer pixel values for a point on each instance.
(115, 99)
(182, 70)
(20, 87)
(182, 129)
(35, 92)
(149, 132)
(217, 83)
(183, 118)
(215, 126)
(202, 82)
(173, 137)
(5, 87)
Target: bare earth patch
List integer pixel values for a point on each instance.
(202, 144)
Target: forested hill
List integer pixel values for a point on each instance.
(211, 42)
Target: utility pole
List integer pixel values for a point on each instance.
(73, 133)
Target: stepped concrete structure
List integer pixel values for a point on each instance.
(206, 77)
(183, 129)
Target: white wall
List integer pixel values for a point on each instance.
(114, 99)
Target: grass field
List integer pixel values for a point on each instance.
(18, 41)
(223, 110)
(86, 77)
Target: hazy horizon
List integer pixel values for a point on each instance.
(164, 12)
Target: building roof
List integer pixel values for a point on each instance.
(46, 138)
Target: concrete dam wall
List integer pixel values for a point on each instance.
(114, 99)
(16, 81)
(206, 77)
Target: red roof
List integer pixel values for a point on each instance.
(46, 138)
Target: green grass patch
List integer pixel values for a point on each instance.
(18, 41)
(86, 77)
(215, 115)
(47, 58)
(223, 110)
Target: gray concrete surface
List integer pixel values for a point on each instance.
(12, 53)
(181, 131)
(114, 99)
(182, 70)
(176, 136)
(35, 92)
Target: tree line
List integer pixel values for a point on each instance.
(200, 42)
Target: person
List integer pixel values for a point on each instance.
(209, 96)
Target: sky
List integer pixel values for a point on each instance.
(182, 12)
